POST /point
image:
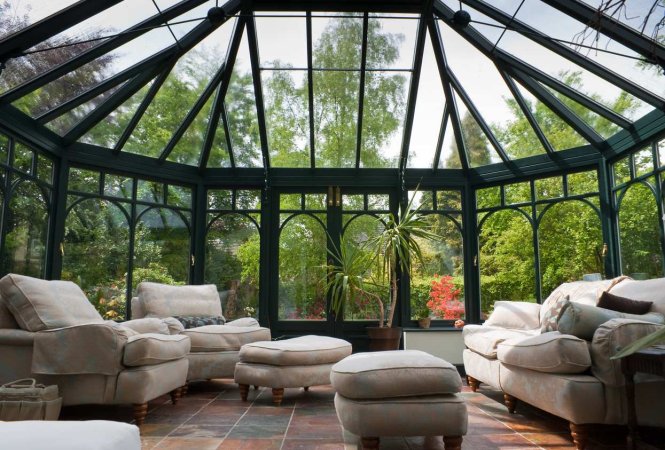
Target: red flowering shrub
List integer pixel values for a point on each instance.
(443, 299)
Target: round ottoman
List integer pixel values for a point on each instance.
(399, 393)
(299, 362)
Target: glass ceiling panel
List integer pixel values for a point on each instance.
(219, 152)
(184, 23)
(188, 149)
(23, 13)
(428, 114)
(93, 73)
(107, 23)
(560, 68)
(391, 42)
(493, 31)
(241, 111)
(286, 98)
(337, 42)
(449, 154)
(65, 122)
(478, 148)
(600, 124)
(178, 94)
(386, 95)
(107, 132)
(292, 32)
(336, 118)
(633, 13)
(562, 27)
(488, 92)
(559, 134)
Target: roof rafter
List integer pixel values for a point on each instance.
(310, 92)
(218, 108)
(361, 88)
(442, 136)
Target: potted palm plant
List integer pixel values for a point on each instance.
(393, 251)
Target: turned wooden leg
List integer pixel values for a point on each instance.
(306, 388)
(185, 388)
(369, 443)
(175, 395)
(277, 396)
(140, 411)
(452, 442)
(580, 434)
(256, 388)
(473, 383)
(511, 402)
(244, 390)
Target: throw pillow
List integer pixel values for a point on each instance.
(551, 316)
(515, 315)
(199, 321)
(623, 304)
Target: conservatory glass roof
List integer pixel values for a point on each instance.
(404, 84)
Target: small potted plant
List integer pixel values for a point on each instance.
(419, 309)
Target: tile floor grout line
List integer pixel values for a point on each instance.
(243, 414)
(288, 425)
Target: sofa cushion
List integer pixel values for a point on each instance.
(550, 352)
(397, 373)
(218, 338)
(152, 348)
(515, 315)
(161, 300)
(45, 305)
(485, 339)
(199, 321)
(6, 317)
(622, 304)
(645, 290)
(300, 351)
(583, 320)
(553, 309)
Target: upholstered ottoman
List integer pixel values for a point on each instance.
(299, 362)
(399, 393)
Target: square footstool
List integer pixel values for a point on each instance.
(299, 362)
(399, 393)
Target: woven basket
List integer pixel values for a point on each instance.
(26, 400)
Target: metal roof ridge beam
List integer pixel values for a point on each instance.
(437, 47)
(566, 52)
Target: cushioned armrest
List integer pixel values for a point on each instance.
(17, 337)
(608, 339)
(82, 349)
(244, 322)
(147, 325)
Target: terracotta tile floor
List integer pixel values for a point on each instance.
(212, 416)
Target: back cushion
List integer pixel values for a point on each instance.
(44, 305)
(161, 300)
(644, 290)
(6, 317)
(515, 315)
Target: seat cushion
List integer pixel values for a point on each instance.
(300, 351)
(484, 339)
(551, 352)
(152, 348)
(219, 338)
(397, 373)
(162, 300)
(45, 305)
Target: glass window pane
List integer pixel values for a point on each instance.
(25, 13)
(44, 169)
(582, 182)
(450, 155)
(337, 42)
(292, 32)
(391, 42)
(118, 186)
(488, 197)
(81, 180)
(517, 193)
(22, 158)
(547, 188)
(4, 149)
(302, 262)
(621, 171)
(506, 260)
(97, 230)
(150, 191)
(478, 148)
(378, 202)
(421, 199)
(232, 263)
(315, 201)
(644, 163)
(290, 201)
(449, 200)
(248, 200)
(220, 199)
(189, 147)
(353, 202)
(179, 196)
(639, 234)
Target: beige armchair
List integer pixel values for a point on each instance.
(215, 348)
(51, 332)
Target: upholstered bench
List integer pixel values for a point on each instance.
(299, 362)
(399, 393)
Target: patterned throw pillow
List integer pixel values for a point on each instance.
(552, 313)
(194, 321)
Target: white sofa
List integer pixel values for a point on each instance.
(569, 376)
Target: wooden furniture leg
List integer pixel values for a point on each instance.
(277, 396)
(473, 383)
(175, 395)
(511, 402)
(140, 411)
(369, 443)
(306, 388)
(185, 388)
(244, 390)
(452, 442)
(580, 434)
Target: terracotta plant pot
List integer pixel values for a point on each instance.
(384, 338)
(424, 323)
